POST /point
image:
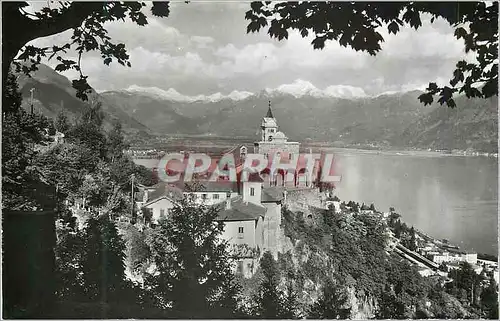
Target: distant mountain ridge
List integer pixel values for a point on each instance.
(337, 114)
(53, 92)
(298, 89)
(390, 120)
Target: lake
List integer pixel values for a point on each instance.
(451, 197)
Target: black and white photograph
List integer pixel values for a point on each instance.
(249, 160)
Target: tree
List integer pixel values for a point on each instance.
(443, 267)
(88, 130)
(331, 304)
(66, 165)
(193, 276)
(116, 141)
(268, 297)
(62, 123)
(103, 260)
(289, 306)
(21, 132)
(465, 280)
(390, 307)
(68, 252)
(86, 20)
(489, 299)
(357, 24)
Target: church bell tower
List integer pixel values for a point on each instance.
(269, 127)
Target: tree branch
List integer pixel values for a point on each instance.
(69, 18)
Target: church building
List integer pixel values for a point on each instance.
(272, 140)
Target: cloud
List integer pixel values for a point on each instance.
(203, 48)
(202, 41)
(434, 40)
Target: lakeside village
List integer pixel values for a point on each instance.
(251, 210)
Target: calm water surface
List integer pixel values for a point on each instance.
(452, 197)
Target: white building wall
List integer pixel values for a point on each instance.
(232, 235)
(156, 208)
(247, 192)
(211, 198)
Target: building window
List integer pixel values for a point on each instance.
(162, 212)
(204, 196)
(216, 196)
(270, 138)
(240, 232)
(252, 191)
(289, 156)
(272, 130)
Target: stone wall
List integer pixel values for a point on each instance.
(300, 199)
(271, 147)
(272, 222)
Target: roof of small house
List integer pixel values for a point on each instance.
(218, 186)
(165, 189)
(158, 199)
(240, 210)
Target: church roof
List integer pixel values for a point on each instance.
(269, 112)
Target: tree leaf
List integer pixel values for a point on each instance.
(393, 27)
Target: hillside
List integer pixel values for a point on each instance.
(304, 114)
(53, 92)
(474, 125)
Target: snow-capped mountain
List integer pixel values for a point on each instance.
(173, 95)
(300, 88)
(297, 89)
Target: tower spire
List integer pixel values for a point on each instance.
(269, 112)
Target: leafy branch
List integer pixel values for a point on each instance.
(89, 34)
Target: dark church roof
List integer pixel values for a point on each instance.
(269, 112)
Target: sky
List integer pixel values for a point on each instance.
(203, 48)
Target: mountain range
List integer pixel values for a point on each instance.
(337, 114)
